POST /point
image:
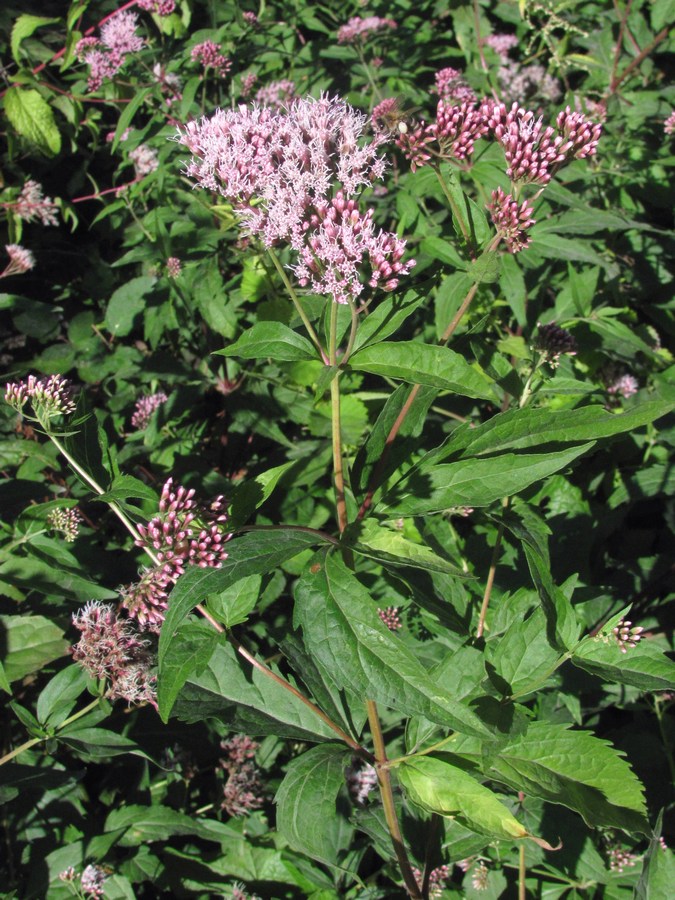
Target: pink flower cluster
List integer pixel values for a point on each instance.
(243, 791)
(248, 82)
(145, 160)
(20, 260)
(106, 55)
(208, 54)
(669, 124)
(391, 618)
(31, 205)
(452, 86)
(627, 635)
(358, 29)
(361, 780)
(436, 878)
(619, 383)
(534, 152)
(49, 397)
(173, 267)
(144, 409)
(110, 649)
(184, 533)
(159, 7)
(276, 94)
(511, 221)
(451, 136)
(293, 175)
(501, 43)
(92, 880)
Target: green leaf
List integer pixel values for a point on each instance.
(191, 651)
(29, 643)
(18, 779)
(472, 482)
(341, 624)
(99, 743)
(575, 769)
(254, 553)
(145, 824)
(485, 268)
(232, 606)
(250, 495)
(386, 545)
(32, 117)
(247, 700)
(271, 340)
(24, 26)
(512, 283)
(127, 115)
(427, 364)
(439, 787)
(126, 303)
(523, 658)
(387, 318)
(645, 666)
(58, 697)
(307, 815)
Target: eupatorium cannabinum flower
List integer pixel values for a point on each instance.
(451, 136)
(109, 648)
(31, 205)
(276, 94)
(243, 791)
(436, 878)
(107, 55)
(627, 635)
(144, 159)
(184, 533)
(66, 522)
(552, 341)
(48, 396)
(501, 43)
(358, 29)
(391, 618)
(159, 7)
(145, 407)
(361, 780)
(208, 54)
(669, 124)
(293, 177)
(452, 86)
(20, 260)
(511, 220)
(173, 267)
(619, 383)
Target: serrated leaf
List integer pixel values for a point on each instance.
(247, 700)
(427, 364)
(472, 482)
(28, 644)
(271, 340)
(232, 606)
(389, 546)
(577, 770)
(24, 26)
(523, 658)
(341, 624)
(387, 318)
(250, 495)
(439, 787)
(191, 651)
(127, 302)
(32, 117)
(645, 666)
(307, 815)
(254, 553)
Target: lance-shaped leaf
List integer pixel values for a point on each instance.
(427, 364)
(645, 666)
(387, 317)
(389, 546)
(442, 788)
(473, 482)
(271, 340)
(340, 623)
(307, 814)
(575, 769)
(247, 699)
(254, 553)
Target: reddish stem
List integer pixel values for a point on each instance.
(112, 190)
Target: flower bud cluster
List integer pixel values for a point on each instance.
(452, 136)
(451, 86)
(110, 649)
(158, 7)
(361, 780)
(436, 878)
(92, 880)
(621, 859)
(48, 396)
(391, 618)
(20, 260)
(208, 54)
(358, 29)
(619, 383)
(669, 124)
(627, 635)
(146, 406)
(184, 533)
(66, 522)
(243, 791)
(511, 220)
(145, 160)
(552, 341)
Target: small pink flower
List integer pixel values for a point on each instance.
(20, 260)
(452, 87)
(623, 386)
(669, 124)
(159, 7)
(276, 94)
(391, 618)
(358, 29)
(626, 635)
(144, 409)
(118, 34)
(552, 341)
(208, 54)
(173, 267)
(49, 397)
(502, 43)
(145, 160)
(511, 220)
(436, 878)
(621, 859)
(251, 19)
(243, 791)
(32, 206)
(92, 881)
(361, 780)
(248, 83)
(107, 55)
(66, 522)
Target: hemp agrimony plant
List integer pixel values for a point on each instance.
(334, 560)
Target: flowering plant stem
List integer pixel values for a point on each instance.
(384, 781)
(336, 426)
(296, 302)
(463, 227)
(33, 741)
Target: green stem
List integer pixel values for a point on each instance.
(387, 794)
(491, 574)
(296, 302)
(392, 763)
(521, 873)
(369, 74)
(33, 741)
(352, 333)
(338, 473)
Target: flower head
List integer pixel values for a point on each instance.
(361, 780)
(31, 205)
(118, 34)
(110, 649)
(524, 84)
(20, 260)
(248, 82)
(159, 7)
(452, 87)
(511, 220)
(436, 878)
(276, 94)
(106, 55)
(144, 409)
(552, 341)
(66, 522)
(627, 635)
(208, 54)
(173, 267)
(391, 618)
(144, 159)
(48, 396)
(92, 881)
(358, 29)
(243, 791)
(501, 43)
(621, 859)
(669, 124)
(619, 383)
